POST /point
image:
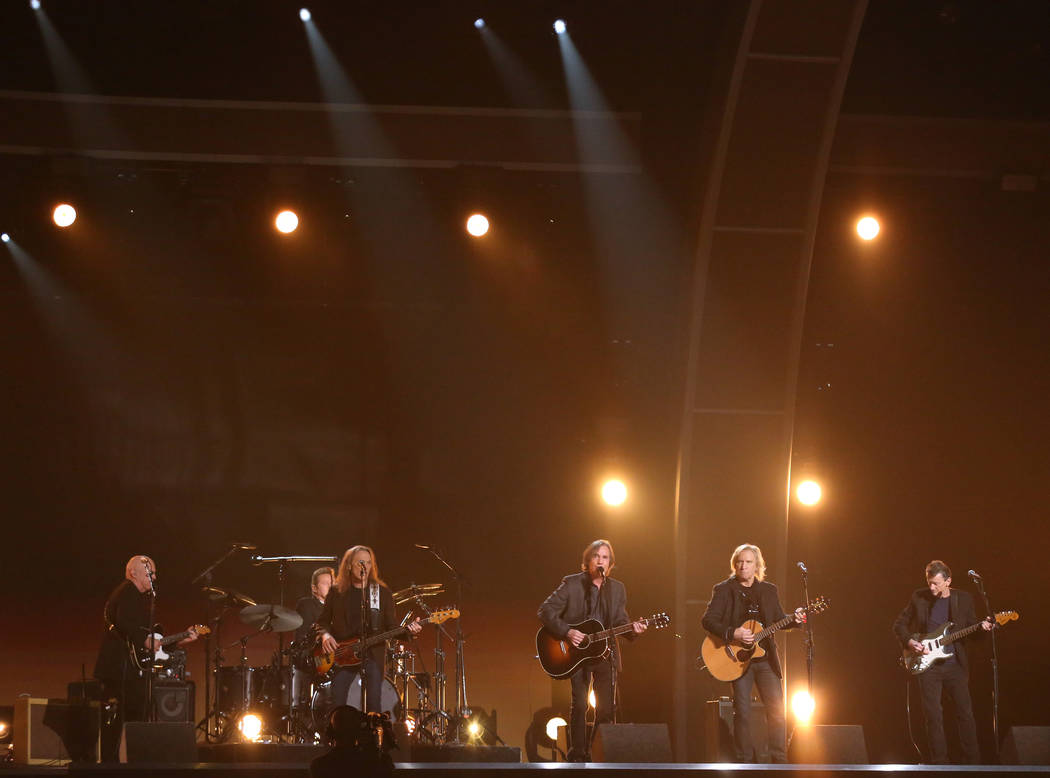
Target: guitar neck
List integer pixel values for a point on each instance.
(951, 637)
(774, 627)
(167, 641)
(615, 631)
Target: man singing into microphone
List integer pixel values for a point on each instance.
(589, 594)
(358, 588)
(929, 609)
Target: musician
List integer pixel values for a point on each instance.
(128, 625)
(358, 582)
(590, 594)
(309, 608)
(929, 609)
(746, 595)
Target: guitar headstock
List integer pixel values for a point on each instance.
(819, 605)
(1004, 616)
(201, 629)
(441, 616)
(658, 620)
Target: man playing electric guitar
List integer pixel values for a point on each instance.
(744, 596)
(929, 609)
(589, 594)
(127, 625)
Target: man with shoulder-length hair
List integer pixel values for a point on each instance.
(743, 596)
(359, 589)
(929, 609)
(589, 594)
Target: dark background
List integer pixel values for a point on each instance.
(177, 376)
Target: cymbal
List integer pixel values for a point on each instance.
(231, 596)
(410, 597)
(276, 617)
(415, 589)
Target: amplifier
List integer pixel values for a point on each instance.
(55, 732)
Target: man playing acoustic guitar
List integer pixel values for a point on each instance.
(929, 609)
(589, 594)
(742, 597)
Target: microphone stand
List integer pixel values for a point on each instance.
(364, 635)
(211, 676)
(152, 643)
(995, 667)
(809, 630)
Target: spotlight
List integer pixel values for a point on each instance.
(559, 27)
(34, 4)
(410, 724)
(250, 726)
(304, 14)
(479, 23)
(803, 705)
(5, 237)
(614, 492)
(592, 701)
(552, 727)
(809, 492)
(3, 729)
(64, 215)
(286, 222)
(473, 729)
(868, 228)
(477, 225)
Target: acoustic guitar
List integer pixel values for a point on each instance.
(559, 658)
(728, 661)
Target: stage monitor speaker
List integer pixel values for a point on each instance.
(174, 701)
(828, 744)
(1026, 745)
(159, 742)
(55, 732)
(632, 743)
(718, 731)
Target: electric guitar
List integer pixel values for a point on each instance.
(140, 655)
(939, 639)
(559, 658)
(350, 652)
(728, 661)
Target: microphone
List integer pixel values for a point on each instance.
(243, 546)
(601, 570)
(802, 566)
(420, 545)
(973, 575)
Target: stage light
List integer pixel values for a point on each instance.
(3, 729)
(477, 225)
(552, 727)
(286, 222)
(559, 27)
(592, 701)
(479, 23)
(868, 228)
(64, 215)
(34, 4)
(473, 729)
(614, 492)
(410, 724)
(5, 237)
(250, 726)
(803, 705)
(305, 15)
(809, 492)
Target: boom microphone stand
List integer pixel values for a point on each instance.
(152, 642)
(995, 663)
(809, 628)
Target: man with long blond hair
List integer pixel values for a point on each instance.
(358, 590)
(743, 596)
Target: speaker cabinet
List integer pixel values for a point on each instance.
(1026, 745)
(55, 732)
(718, 731)
(828, 744)
(158, 742)
(174, 701)
(632, 743)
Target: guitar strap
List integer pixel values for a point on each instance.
(373, 596)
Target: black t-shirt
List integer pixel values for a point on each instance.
(938, 618)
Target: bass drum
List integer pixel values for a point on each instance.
(323, 703)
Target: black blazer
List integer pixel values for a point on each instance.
(126, 617)
(568, 604)
(344, 622)
(729, 608)
(914, 619)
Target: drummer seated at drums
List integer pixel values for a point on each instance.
(359, 593)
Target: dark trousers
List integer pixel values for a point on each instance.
(129, 704)
(759, 674)
(601, 672)
(374, 683)
(948, 678)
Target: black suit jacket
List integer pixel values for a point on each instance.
(568, 604)
(729, 608)
(126, 618)
(914, 619)
(341, 616)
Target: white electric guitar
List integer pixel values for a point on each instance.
(140, 655)
(938, 640)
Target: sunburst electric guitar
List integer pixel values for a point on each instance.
(939, 639)
(728, 661)
(350, 652)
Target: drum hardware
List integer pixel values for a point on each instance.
(414, 591)
(229, 597)
(271, 618)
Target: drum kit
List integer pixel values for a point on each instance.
(291, 700)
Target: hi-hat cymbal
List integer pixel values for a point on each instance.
(275, 617)
(414, 589)
(410, 597)
(231, 596)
